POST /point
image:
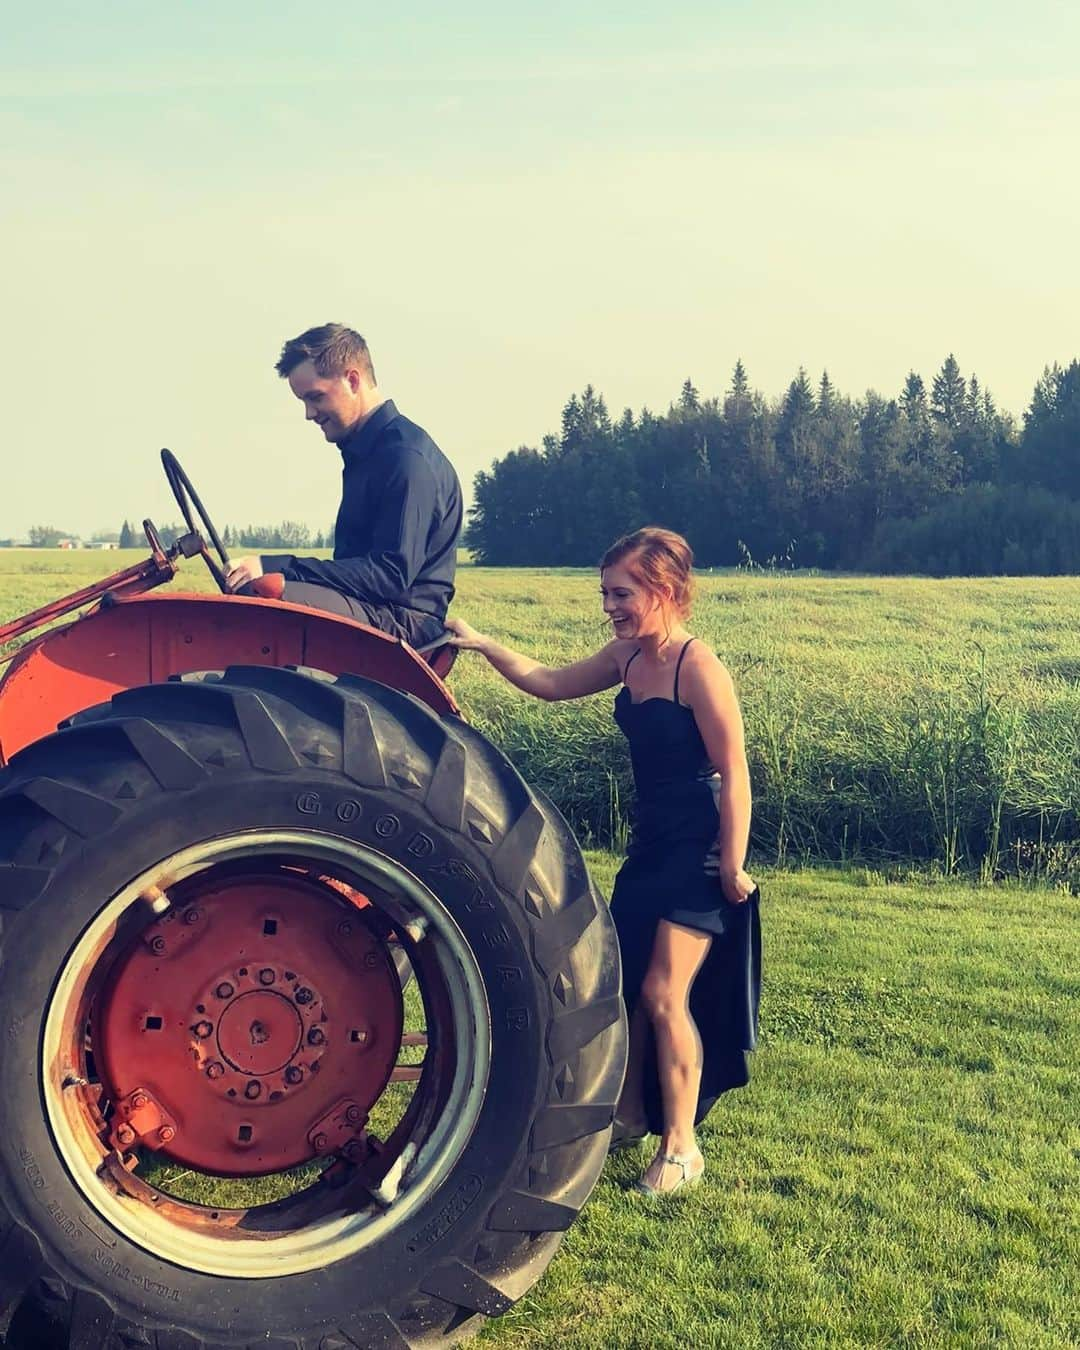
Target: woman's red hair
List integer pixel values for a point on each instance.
(661, 560)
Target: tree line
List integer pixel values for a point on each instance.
(936, 480)
(286, 536)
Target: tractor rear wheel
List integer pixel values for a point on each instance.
(210, 891)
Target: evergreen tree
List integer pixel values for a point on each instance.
(1049, 450)
(795, 430)
(127, 535)
(913, 401)
(949, 394)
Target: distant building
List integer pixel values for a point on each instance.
(101, 543)
(70, 543)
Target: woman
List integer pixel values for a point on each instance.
(684, 906)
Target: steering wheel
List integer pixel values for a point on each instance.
(188, 501)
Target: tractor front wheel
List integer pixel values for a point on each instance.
(230, 1115)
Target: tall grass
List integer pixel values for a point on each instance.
(888, 719)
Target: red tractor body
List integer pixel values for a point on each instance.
(133, 640)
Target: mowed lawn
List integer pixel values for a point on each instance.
(902, 1170)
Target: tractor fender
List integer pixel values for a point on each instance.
(146, 639)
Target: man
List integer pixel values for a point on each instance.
(395, 540)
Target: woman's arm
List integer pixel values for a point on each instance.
(596, 672)
(711, 694)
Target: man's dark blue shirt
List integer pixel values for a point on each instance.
(395, 540)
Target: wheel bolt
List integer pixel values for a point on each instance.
(125, 1135)
(202, 1030)
(316, 1036)
(345, 929)
(352, 1115)
(293, 1075)
(157, 945)
(166, 1134)
(224, 990)
(192, 916)
(252, 1090)
(371, 959)
(304, 995)
(215, 1070)
(266, 976)
(320, 1141)
(139, 1101)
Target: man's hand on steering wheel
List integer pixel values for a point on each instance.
(243, 571)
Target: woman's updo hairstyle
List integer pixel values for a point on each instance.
(659, 559)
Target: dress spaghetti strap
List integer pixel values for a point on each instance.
(678, 667)
(629, 663)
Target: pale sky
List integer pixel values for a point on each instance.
(508, 206)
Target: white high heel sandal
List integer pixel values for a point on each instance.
(691, 1166)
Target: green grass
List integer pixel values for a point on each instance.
(888, 719)
(901, 1170)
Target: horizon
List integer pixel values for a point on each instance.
(509, 209)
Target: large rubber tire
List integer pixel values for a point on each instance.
(85, 810)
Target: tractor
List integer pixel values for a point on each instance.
(311, 1026)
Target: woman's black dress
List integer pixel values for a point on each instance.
(674, 826)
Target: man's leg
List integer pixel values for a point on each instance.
(333, 602)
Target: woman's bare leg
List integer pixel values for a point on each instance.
(665, 994)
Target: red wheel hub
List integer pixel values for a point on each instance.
(259, 1019)
(260, 1033)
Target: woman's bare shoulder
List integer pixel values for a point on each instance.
(703, 668)
(622, 649)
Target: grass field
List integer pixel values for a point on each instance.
(892, 720)
(902, 1170)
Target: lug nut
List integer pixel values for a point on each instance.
(316, 1036)
(125, 1135)
(266, 976)
(224, 990)
(293, 1075)
(304, 995)
(345, 929)
(215, 1070)
(371, 959)
(166, 1134)
(157, 945)
(253, 1090)
(352, 1115)
(202, 1030)
(192, 916)
(320, 1142)
(139, 1100)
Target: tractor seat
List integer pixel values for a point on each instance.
(440, 658)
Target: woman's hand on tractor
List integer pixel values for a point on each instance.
(243, 571)
(466, 637)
